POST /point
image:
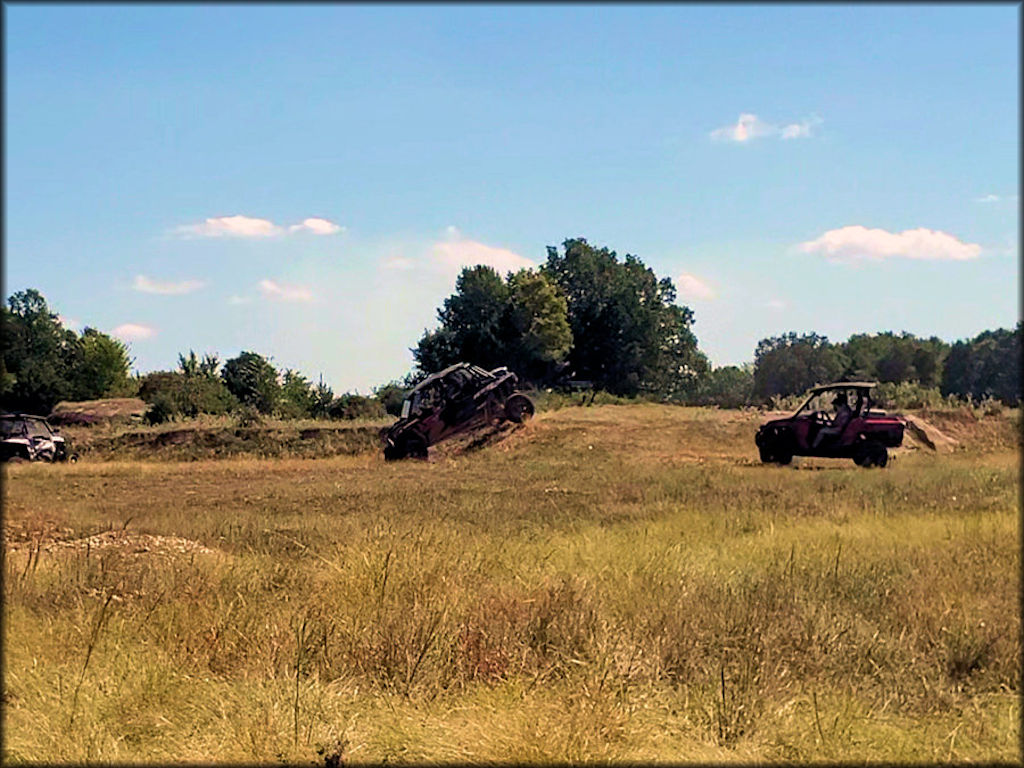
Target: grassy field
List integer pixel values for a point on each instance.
(616, 583)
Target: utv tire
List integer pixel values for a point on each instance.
(393, 453)
(518, 408)
(879, 455)
(415, 448)
(871, 454)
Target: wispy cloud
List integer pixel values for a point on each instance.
(254, 228)
(749, 127)
(857, 242)
(398, 262)
(134, 331)
(457, 251)
(776, 304)
(801, 130)
(996, 199)
(236, 300)
(279, 292)
(317, 226)
(145, 285)
(692, 287)
(68, 322)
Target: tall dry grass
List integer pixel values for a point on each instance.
(606, 584)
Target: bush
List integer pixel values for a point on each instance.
(248, 416)
(356, 407)
(391, 396)
(161, 409)
(185, 394)
(907, 394)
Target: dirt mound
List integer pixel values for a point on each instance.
(921, 433)
(90, 412)
(480, 439)
(973, 429)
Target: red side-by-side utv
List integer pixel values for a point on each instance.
(865, 437)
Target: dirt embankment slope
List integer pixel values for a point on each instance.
(187, 442)
(670, 432)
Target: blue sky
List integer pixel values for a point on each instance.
(306, 181)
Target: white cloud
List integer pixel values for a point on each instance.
(68, 322)
(747, 127)
(857, 242)
(750, 126)
(133, 331)
(279, 292)
(250, 227)
(457, 252)
(232, 226)
(692, 287)
(777, 304)
(317, 226)
(145, 285)
(235, 300)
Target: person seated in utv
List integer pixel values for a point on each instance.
(843, 415)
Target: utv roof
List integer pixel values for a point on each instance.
(447, 371)
(844, 385)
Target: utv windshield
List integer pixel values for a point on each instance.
(11, 428)
(825, 401)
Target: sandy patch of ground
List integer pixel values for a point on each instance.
(58, 540)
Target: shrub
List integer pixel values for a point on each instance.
(161, 409)
(356, 407)
(907, 394)
(248, 416)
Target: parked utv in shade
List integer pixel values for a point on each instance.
(835, 421)
(458, 399)
(31, 438)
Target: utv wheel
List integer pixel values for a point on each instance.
(416, 448)
(783, 457)
(766, 456)
(518, 408)
(872, 454)
(879, 455)
(393, 453)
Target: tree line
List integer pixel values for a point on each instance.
(43, 363)
(585, 317)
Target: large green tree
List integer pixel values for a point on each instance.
(790, 364)
(536, 325)
(986, 366)
(103, 369)
(889, 357)
(39, 355)
(519, 322)
(629, 335)
(253, 380)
